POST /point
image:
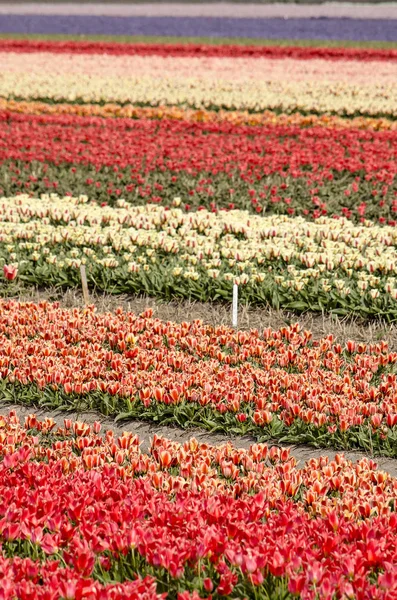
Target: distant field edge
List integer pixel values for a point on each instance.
(207, 1)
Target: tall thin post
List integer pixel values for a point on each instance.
(84, 284)
(235, 305)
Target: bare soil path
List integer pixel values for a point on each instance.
(386, 10)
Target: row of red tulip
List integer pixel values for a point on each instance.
(222, 50)
(275, 169)
(75, 139)
(274, 383)
(69, 526)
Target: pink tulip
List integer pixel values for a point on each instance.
(10, 272)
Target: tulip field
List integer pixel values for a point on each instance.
(175, 157)
(290, 190)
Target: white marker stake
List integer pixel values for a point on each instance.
(84, 284)
(235, 305)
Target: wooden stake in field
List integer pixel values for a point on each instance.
(235, 305)
(84, 284)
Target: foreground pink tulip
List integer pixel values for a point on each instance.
(10, 272)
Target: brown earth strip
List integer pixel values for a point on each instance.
(208, 9)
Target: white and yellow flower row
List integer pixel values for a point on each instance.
(238, 68)
(238, 83)
(294, 257)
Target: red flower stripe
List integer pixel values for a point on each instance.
(346, 172)
(88, 47)
(202, 519)
(218, 147)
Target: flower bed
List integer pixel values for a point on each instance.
(238, 83)
(83, 514)
(282, 168)
(191, 49)
(90, 516)
(286, 262)
(275, 385)
(267, 117)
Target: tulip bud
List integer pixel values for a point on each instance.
(391, 420)
(119, 458)
(208, 585)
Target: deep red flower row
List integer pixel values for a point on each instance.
(252, 150)
(88, 47)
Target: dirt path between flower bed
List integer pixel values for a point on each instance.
(146, 431)
(211, 313)
(216, 9)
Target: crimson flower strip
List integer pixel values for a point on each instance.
(87, 47)
(269, 149)
(193, 520)
(276, 384)
(277, 169)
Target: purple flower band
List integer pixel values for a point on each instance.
(293, 29)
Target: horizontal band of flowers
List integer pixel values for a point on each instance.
(196, 116)
(188, 49)
(276, 169)
(273, 385)
(207, 69)
(267, 149)
(81, 510)
(355, 490)
(221, 28)
(231, 84)
(328, 264)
